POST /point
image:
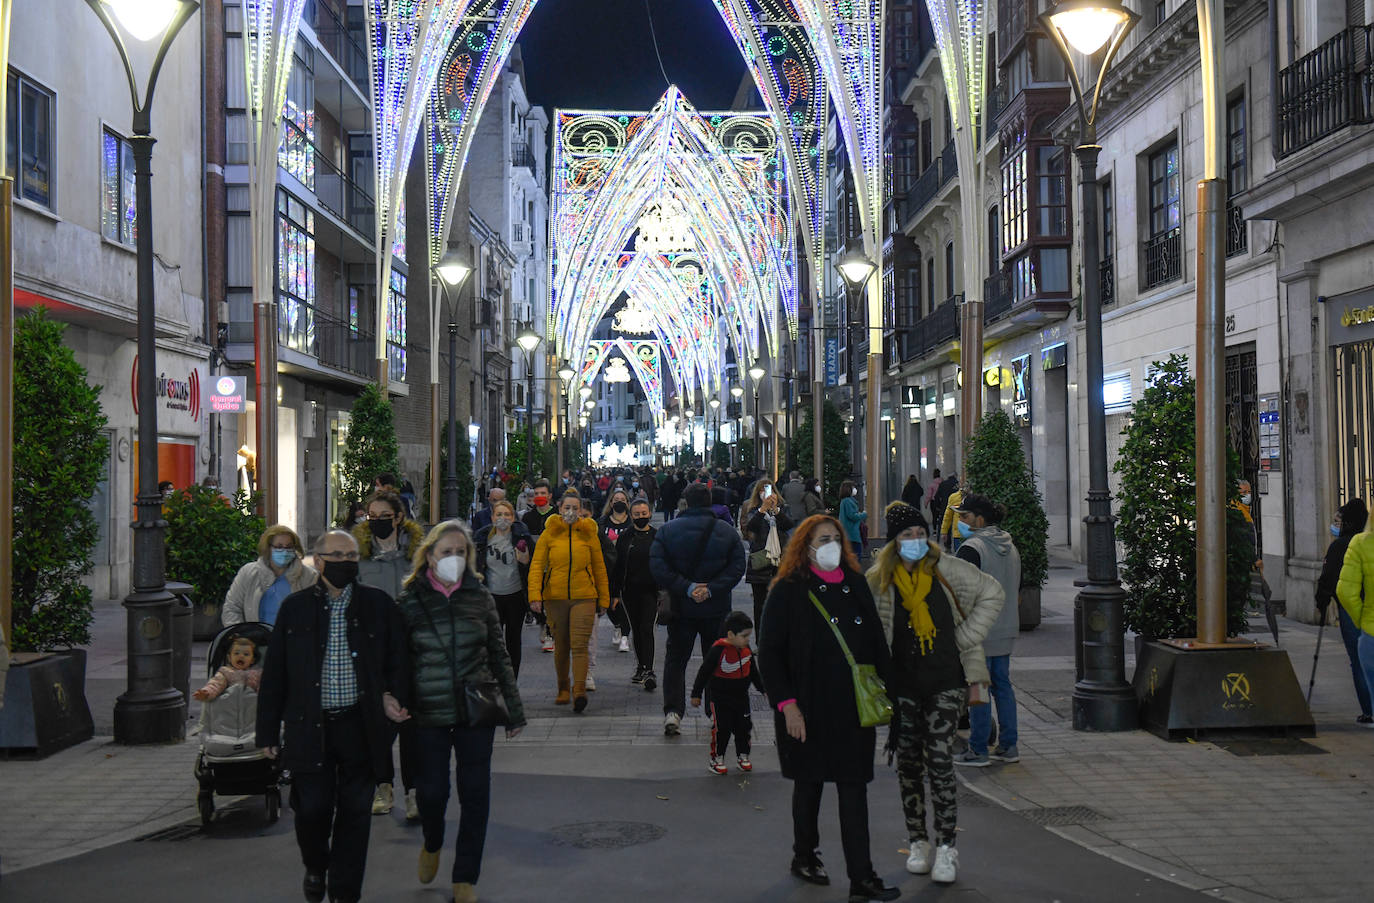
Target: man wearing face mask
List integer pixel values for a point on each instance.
(335, 673)
(538, 516)
(989, 548)
(483, 518)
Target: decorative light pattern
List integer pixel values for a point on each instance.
(616, 371)
(476, 55)
(711, 189)
(633, 319)
(643, 357)
(408, 40)
(775, 45)
(961, 32)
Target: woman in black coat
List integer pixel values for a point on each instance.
(811, 689)
(761, 514)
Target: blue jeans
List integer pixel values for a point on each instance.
(980, 716)
(472, 748)
(1350, 634)
(1366, 644)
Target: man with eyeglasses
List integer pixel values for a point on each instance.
(335, 672)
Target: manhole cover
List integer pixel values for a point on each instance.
(606, 835)
(1060, 816)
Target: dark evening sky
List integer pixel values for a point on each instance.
(598, 54)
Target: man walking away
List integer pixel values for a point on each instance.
(335, 672)
(699, 559)
(794, 497)
(483, 518)
(989, 548)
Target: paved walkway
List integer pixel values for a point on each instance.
(1294, 826)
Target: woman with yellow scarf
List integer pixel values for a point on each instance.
(935, 611)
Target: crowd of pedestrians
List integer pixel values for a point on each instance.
(385, 630)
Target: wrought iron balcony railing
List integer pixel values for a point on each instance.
(1326, 90)
(997, 297)
(1237, 235)
(1107, 271)
(1163, 258)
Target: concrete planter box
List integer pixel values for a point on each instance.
(45, 704)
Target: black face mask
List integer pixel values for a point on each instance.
(641, 523)
(381, 529)
(620, 507)
(340, 573)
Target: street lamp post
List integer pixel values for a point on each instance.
(452, 270)
(856, 270)
(737, 393)
(1102, 699)
(151, 710)
(755, 375)
(529, 340)
(565, 375)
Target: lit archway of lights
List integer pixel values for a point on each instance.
(642, 359)
(724, 175)
(476, 55)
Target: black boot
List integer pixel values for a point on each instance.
(809, 869)
(313, 886)
(871, 888)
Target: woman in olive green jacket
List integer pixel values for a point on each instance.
(455, 639)
(1355, 592)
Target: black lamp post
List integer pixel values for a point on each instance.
(755, 376)
(855, 268)
(528, 340)
(452, 270)
(1102, 699)
(737, 392)
(151, 710)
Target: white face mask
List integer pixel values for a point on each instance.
(450, 569)
(1245, 499)
(854, 492)
(828, 556)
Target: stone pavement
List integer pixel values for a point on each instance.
(1293, 826)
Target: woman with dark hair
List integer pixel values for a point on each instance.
(811, 689)
(852, 516)
(614, 521)
(912, 493)
(765, 527)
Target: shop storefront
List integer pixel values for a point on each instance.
(1350, 337)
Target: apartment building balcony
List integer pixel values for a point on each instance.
(949, 164)
(1326, 91)
(1107, 275)
(334, 191)
(997, 297)
(309, 338)
(930, 333)
(1006, 316)
(1237, 235)
(340, 41)
(1163, 259)
(523, 158)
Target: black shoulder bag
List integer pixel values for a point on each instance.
(483, 701)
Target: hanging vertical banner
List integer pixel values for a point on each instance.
(832, 360)
(1021, 390)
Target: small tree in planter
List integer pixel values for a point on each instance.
(209, 537)
(995, 466)
(59, 449)
(520, 463)
(834, 449)
(1158, 510)
(371, 447)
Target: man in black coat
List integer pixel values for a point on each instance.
(335, 672)
(699, 559)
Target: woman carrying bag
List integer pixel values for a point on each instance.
(819, 616)
(935, 611)
(765, 527)
(462, 688)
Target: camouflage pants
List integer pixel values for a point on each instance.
(925, 749)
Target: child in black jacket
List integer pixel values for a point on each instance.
(726, 673)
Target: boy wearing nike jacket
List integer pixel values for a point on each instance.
(725, 674)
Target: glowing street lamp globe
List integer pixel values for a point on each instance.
(528, 339)
(585, 391)
(453, 269)
(566, 373)
(1087, 25)
(756, 373)
(737, 391)
(855, 267)
(144, 19)
(715, 404)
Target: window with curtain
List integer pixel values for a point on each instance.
(117, 196)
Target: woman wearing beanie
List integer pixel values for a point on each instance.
(935, 611)
(1351, 518)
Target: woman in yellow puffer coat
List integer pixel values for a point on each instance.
(1355, 592)
(568, 582)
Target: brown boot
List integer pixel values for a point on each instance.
(579, 692)
(464, 893)
(429, 865)
(563, 698)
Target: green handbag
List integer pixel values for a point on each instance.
(870, 693)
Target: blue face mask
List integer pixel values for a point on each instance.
(965, 531)
(1335, 530)
(282, 557)
(913, 549)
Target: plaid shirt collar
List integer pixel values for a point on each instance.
(338, 676)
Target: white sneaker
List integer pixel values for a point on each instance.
(624, 644)
(412, 807)
(946, 867)
(918, 863)
(617, 637)
(591, 684)
(382, 800)
(546, 643)
(672, 724)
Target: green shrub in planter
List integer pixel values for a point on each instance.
(209, 537)
(1158, 509)
(59, 450)
(995, 466)
(370, 447)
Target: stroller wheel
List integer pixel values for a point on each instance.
(206, 803)
(273, 805)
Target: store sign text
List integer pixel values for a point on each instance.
(1357, 316)
(179, 394)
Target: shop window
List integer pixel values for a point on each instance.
(29, 149)
(117, 196)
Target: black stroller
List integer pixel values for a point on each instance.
(230, 763)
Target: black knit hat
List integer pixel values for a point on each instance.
(1354, 516)
(899, 516)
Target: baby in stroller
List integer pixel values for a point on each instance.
(230, 762)
(243, 654)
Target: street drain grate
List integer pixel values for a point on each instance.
(174, 834)
(1061, 816)
(606, 835)
(1270, 746)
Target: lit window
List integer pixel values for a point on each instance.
(396, 328)
(117, 208)
(295, 273)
